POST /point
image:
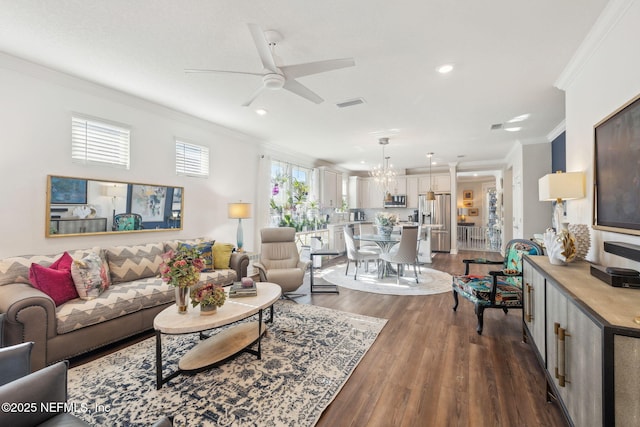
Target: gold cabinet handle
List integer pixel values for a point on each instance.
(561, 357)
(529, 315)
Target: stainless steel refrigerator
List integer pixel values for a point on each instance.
(437, 211)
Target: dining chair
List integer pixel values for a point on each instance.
(358, 255)
(367, 228)
(406, 252)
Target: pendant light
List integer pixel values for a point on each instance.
(384, 174)
(430, 194)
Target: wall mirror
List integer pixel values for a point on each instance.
(81, 206)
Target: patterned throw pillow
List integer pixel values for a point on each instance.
(222, 255)
(55, 280)
(90, 276)
(206, 252)
(128, 263)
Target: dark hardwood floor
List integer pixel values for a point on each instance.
(428, 367)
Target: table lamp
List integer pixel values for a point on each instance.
(559, 187)
(114, 191)
(463, 212)
(240, 211)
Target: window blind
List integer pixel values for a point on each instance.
(192, 159)
(94, 142)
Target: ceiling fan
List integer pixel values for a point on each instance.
(276, 76)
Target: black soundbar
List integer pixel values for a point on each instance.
(625, 250)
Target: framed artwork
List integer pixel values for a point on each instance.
(68, 191)
(473, 212)
(148, 201)
(467, 203)
(467, 195)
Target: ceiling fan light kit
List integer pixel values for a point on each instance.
(276, 76)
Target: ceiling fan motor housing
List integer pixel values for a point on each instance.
(273, 81)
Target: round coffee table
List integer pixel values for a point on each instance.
(222, 345)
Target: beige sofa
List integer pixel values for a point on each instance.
(128, 307)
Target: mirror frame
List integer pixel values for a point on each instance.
(160, 215)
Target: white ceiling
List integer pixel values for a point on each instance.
(507, 56)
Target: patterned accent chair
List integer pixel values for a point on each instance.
(127, 221)
(500, 289)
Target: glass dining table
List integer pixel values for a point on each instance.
(385, 242)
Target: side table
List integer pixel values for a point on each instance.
(328, 289)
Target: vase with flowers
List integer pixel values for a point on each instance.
(209, 296)
(385, 222)
(181, 269)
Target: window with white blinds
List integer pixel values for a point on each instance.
(95, 142)
(192, 159)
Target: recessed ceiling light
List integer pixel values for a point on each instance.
(261, 111)
(513, 129)
(446, 68)
(520, 118)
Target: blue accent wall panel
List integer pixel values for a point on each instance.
(559, 153)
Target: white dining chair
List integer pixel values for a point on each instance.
(406, 252)
(358, 255)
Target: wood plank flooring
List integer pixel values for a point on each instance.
(428, 367)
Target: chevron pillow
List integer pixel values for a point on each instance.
(128, 263)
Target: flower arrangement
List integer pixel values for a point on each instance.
(386, 219)
(208, 294)
(181, 268)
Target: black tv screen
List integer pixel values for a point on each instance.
(617, 171)
(68, 191)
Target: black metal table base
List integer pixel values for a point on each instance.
(325, 289)
(161, 380)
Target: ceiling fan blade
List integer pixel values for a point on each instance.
(300, 70)
(263, 48)
(197, 70)
(253, 97)
(297, 88)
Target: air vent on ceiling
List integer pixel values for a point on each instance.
(350, 103)
(496, 126)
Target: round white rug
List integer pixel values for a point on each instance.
(429, 281)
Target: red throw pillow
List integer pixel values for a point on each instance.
(55, 280)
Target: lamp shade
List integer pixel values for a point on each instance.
(463, 211)
(114, 190)
(239, 210)
(564, 186)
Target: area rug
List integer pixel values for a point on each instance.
(308, 354)
(430, 281)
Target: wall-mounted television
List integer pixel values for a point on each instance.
(617, 171)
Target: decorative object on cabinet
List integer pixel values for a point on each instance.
(560, 247)
(430, 194)
(559, 187)
(500, 289)
(239, 211)
(383, 174)
(583, 239)
(467, 194)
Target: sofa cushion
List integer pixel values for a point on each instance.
(119, 300)
(16, 269)
(206, 253)
(222, 255)
(129, 263)
(55, 280)
(172, 245)
(90, 276)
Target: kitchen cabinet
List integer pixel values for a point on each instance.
(336, 238)
(439, 183)
(589, 347)
(331, 189)
(412, 192)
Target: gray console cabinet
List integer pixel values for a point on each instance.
(589, 346)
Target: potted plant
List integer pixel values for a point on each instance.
(209, 296)
(385, 222)
(181, 269)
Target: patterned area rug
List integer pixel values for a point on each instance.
(430, 281)
(308, 354)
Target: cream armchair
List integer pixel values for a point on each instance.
(279, 259)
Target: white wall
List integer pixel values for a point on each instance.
(607, 80)
(35, 111)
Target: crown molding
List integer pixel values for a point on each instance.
(608, 19)
(562, 126)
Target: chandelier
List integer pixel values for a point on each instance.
(383, 174)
